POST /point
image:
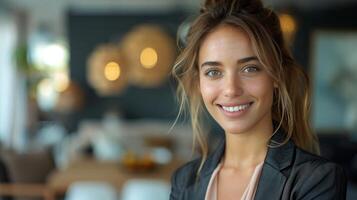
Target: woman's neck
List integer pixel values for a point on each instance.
(246, 150)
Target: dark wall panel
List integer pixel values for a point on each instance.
(86, 31)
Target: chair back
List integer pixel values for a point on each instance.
(145, 189)
(91, 190)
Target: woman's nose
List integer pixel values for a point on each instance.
(232, 86)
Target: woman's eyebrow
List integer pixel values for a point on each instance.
(240, 61)
(210, 64)
(247, 59)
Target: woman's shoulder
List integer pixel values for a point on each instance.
(311, 168)
(187, 172)
(312, 175)
(312, 161)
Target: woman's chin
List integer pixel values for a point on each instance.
(235, 130)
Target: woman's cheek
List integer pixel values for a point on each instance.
(209, 91)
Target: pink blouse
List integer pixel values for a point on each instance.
(249, 193)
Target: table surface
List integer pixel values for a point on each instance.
(111, 172)
(26, 190)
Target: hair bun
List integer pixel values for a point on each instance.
(233, 6)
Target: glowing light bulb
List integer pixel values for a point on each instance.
(61, 82)
(112, 71)
(148, 58)
(46, 94)
(287, 23)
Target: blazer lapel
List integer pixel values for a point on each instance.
(272, 180)
(271, 184)
(198, 189)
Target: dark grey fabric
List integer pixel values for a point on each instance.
(288, 173)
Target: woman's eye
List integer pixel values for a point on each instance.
(213, 73)
(251, 69)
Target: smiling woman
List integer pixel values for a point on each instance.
(237, 67)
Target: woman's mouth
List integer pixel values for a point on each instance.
(235, 109)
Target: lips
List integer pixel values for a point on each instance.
(235, 108)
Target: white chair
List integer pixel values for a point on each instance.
(91, 190)
(145, 189)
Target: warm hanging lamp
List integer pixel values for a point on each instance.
(150, 53)
(289, 27)
(70, 99)
(107, 72)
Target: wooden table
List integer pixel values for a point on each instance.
(26, 190)
(111, 172)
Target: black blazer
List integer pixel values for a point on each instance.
(288, 173)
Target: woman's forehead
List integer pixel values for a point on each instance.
(226, 42)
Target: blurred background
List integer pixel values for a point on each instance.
(87, 103)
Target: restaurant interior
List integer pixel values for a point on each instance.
(88, 108)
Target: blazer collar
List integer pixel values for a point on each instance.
(279, 155)
(272, 180)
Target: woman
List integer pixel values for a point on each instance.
(237, 65)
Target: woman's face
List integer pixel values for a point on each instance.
(237, 91)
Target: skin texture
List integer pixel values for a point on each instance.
(230, 74)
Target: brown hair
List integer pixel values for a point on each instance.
(292, 97)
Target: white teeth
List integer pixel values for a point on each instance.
(236, 108)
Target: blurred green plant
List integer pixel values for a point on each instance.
(24, 66)
(21, 58)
